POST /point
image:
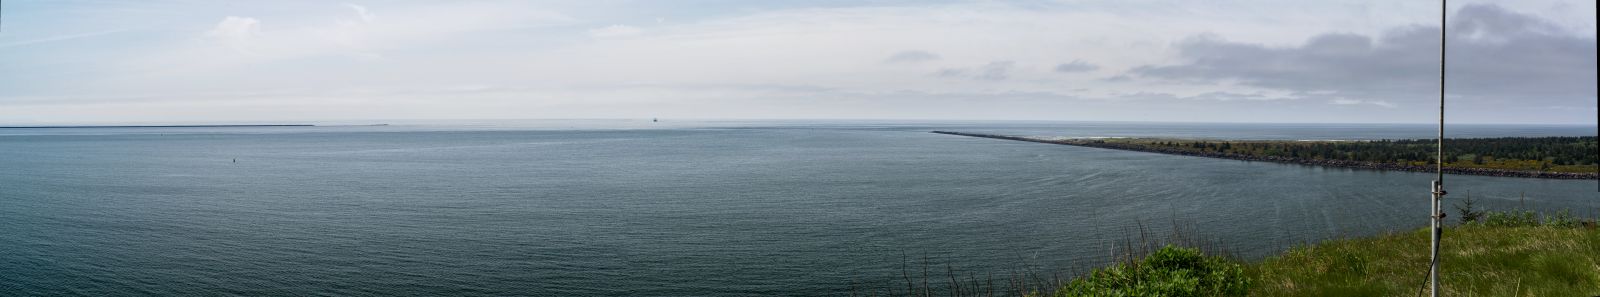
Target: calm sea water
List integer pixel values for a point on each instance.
(555, 208)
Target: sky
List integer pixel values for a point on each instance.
(1527, 62)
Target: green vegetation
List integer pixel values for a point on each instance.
(1553, 154)
(1169, 271)
(1507, 253)
(1514, 256)
(1478, 260)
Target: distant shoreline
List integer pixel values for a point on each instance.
(1301, 161)
(153, 126)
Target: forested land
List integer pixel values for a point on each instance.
(1553, 154)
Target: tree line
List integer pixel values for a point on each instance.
(1567, 154)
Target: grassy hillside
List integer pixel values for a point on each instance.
(1478, 260)
(1514, 253)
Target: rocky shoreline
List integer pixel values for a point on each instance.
(1324, 162)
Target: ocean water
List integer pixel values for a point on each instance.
(614, 208)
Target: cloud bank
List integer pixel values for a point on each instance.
(1496, 57)
(1229, 60)
(1076, 66)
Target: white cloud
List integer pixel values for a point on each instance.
(361, 11)
(1379, 103)
(237, 45)
(614, 31)
(997, 70)
(233, 27)
(363, 32)
(63, 37)
(912, 56)
(235, 32)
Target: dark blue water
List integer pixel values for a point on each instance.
(551, 208)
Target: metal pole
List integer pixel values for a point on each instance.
(1433, 266)
(1438, 183)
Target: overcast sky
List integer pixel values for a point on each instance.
(1204, 61)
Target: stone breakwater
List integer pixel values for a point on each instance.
(1288, 160)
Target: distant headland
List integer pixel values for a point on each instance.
(1533, 157)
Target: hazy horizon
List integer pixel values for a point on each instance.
(335, 122)
(448, 121)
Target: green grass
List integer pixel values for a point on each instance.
(1477, 260)
(1510, 254)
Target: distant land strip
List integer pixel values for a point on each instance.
(155, 126)
(1290, 160)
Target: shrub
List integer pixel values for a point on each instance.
(1468, 215)
(1511, 219)
(1562, 219)
(1170, 271)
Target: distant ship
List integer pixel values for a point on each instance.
(653, 120)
